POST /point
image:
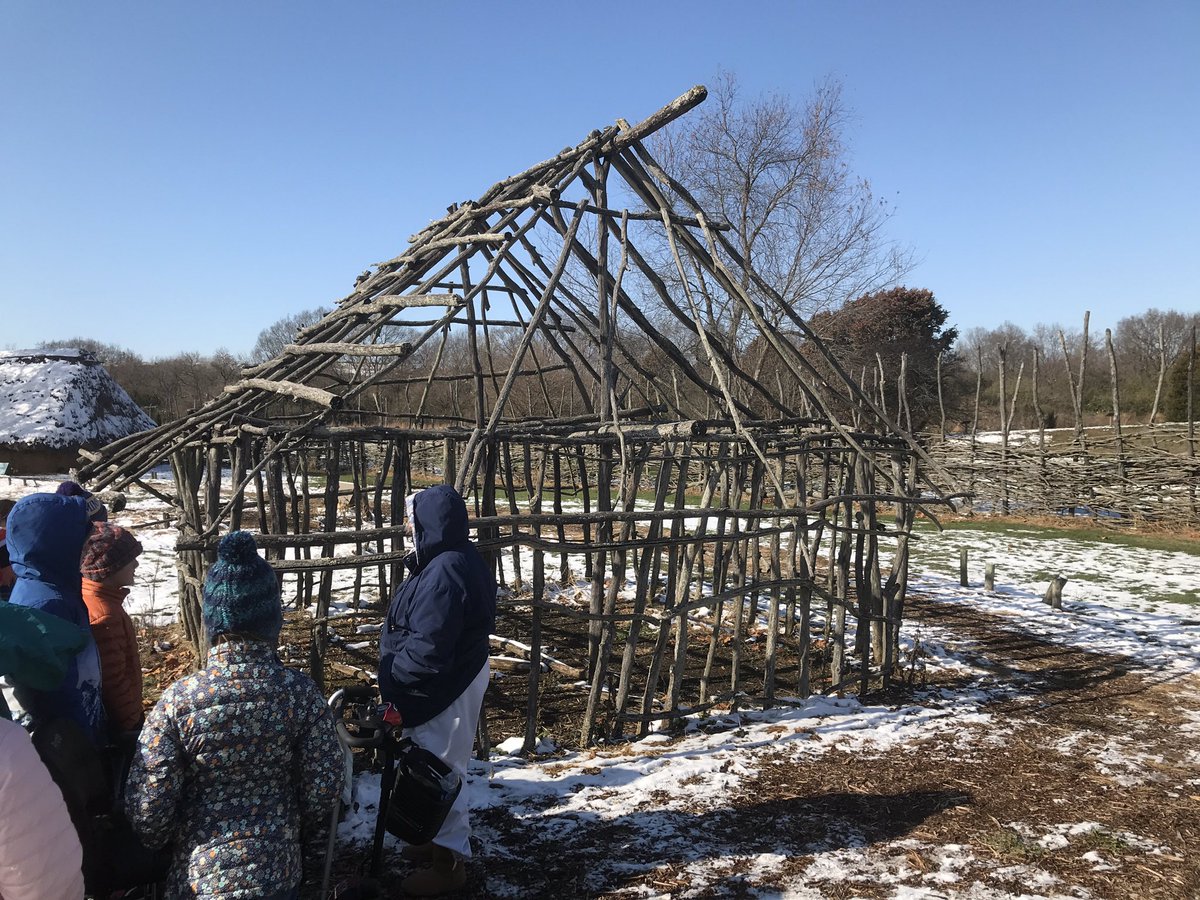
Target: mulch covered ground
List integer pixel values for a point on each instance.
(1005, 798)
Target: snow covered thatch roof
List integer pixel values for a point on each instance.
(61, 399)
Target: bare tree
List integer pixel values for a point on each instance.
(1137, 337)
(1141, 356)
(778, 171)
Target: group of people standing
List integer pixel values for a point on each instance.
(225, 788)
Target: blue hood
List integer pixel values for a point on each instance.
(439, 522)
(46, 533)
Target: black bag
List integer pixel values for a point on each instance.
(424, 791)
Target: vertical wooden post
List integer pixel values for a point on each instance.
(381, 480)
(1002, 356)
(753, 553)
(1037, 403)
(212, 484)
(510, 491)
(449, 463)
(1162, 373)
(586, 491)
(989, 577)
(599, 558)
(1116, 401)
(841, 594)
(289, 465)
(741, 577)
(683, 584)
(535, 643)
(564, 565)
(1053, 595)
(1076, 386)
(674, 573)
(962, 566)
(306, 524)
(400, 487)
(358, 469)
(720, 569)
(333, 471)
(260, 490)
(772, 647)
(941, 402)
(1191, 399)
(975, 418)
(186, 465)
(491, 459)
(600, 676)
(1191, 411)
(239, 462)
(643, 592)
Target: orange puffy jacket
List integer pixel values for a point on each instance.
(120, 667)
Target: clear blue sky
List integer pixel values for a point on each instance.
(178, 176)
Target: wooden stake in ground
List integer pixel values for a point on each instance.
(1053, 595)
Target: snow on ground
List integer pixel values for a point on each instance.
(1113, 600)
(1113, 604)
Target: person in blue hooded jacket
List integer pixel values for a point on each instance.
(45, 540)
(433, 663)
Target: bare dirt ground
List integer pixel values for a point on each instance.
(1086, 740)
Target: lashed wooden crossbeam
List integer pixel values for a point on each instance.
(287, 389)
(344, 349)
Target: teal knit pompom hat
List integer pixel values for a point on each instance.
(241, 593)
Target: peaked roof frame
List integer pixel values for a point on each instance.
(500, 245)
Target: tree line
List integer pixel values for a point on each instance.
(1151, 353)
(873, 336)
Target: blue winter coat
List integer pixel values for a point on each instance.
(46, 533)
(237, 767)
(435, 638)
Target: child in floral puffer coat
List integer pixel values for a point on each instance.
(238, 765)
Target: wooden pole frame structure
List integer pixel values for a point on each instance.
(509, 351)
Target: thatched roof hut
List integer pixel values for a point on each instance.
(54, 403)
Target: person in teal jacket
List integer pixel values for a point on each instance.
(45, 540)
(36, 648)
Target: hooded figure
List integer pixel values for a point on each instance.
(238, 765)
(46, 533)
(435, 639)
(6, 573)
(433, 663)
